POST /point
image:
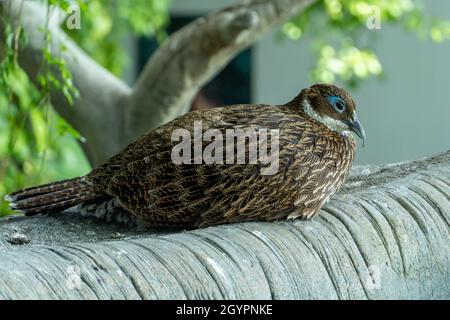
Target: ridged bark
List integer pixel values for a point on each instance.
(384, 236)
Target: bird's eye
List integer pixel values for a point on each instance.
(337, 103)
(339, 106)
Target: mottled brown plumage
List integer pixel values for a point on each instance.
(315, 155)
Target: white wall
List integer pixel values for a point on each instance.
(406, 116)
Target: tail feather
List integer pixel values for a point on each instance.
(51, 197)
(38, 190)
(44, 199)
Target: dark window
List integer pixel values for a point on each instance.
(231, 86)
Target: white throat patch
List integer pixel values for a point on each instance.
(331, 123)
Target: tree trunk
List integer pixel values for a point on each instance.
(384, 236)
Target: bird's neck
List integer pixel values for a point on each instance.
(330, 123)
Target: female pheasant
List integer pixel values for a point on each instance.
(315, 153)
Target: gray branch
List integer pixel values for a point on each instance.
(192, 56)
(385, 235)
(109, 114)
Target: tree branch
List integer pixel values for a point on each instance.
(192, 56)
(385, 236)
(99, 108)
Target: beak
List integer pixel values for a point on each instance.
(355, 126)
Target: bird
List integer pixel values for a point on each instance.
(316, 149)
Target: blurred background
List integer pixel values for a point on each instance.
(405, 111)
(398, 75)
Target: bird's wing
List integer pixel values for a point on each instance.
(145, 179)
(158, 141)
(154, 144)
(307, 172)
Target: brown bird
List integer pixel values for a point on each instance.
(315, 151)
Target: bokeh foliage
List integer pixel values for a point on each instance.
(105, 25)
(343, 40)
(37, 146)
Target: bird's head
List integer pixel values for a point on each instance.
(332, 106)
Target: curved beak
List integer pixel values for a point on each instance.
(355, 126)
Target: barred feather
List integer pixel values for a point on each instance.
(51, 197)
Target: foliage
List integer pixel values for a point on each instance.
(33, 145)
(37, 145)
(343, 42)
(106, 23)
